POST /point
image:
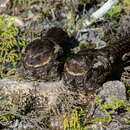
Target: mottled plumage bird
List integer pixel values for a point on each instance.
(44, 60)
(41, 58)
(89, 68)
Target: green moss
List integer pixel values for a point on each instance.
(82, 2)
(6, 114)
(21, 2)
(6, 117)
(126, 4)
(115, 11)
(83, 46)
(89, 45)
(113, 107)
(8, 43)
(75, 122)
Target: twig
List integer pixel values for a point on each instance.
(100, 12)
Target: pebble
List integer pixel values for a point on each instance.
(113, 89)
(4, 4)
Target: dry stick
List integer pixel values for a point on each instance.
(99, 13)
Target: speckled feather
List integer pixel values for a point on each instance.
(41, 57)
(89, 68)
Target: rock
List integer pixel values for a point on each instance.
(30, 14)
(113, 89)
(92, 38)
(56, 123)
(120, 122)
(4, 4)
(116, 90)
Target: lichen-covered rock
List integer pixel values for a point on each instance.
(112, 90)
(4, 5)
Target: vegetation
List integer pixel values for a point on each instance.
(21, 2)
(6, 117)
(117, 9)
(126, 5)
(82, 2)
(8, 44)
(75, 121)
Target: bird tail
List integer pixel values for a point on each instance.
(57, 35)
